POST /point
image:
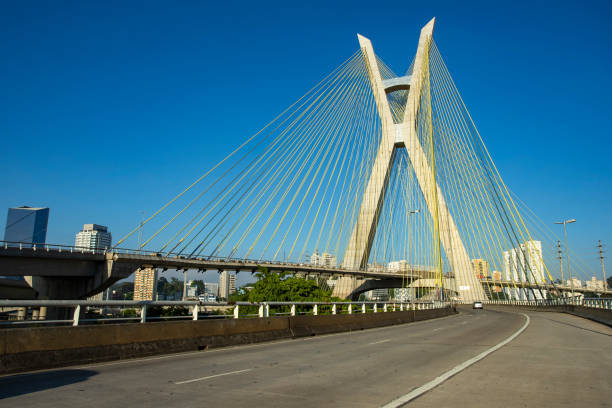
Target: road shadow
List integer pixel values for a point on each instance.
(577, 327)
(20, 384)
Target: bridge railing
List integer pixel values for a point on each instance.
(33, 312)
(596, 303)
(128, 251)
(50, 247)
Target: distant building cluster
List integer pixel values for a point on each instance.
(595, 285)
(398, 266)
(324, 259)
(480, 268)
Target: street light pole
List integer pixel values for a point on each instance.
(560, 253)
(410, 212)
(567, 253)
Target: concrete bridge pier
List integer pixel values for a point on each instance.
(63, 287)
(346, 285)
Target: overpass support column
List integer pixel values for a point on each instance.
(346, 285)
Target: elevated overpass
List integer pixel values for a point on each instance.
(65, 272)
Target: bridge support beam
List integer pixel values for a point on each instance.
(102, 276)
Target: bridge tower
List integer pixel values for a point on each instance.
(397, 136)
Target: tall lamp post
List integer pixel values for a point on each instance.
(410, 212)
(567, 253)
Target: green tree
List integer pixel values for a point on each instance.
(162, 285)
(175, 288)
(199, 284)
(279, 287)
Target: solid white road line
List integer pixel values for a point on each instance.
(434, 383)
(211, 376)
(381, 341)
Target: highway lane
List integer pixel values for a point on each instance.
(559, 361)
(360, 369)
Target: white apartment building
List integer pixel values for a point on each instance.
(93, 236)
(524, 264)
(227, 284)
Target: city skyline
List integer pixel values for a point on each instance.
(555, 187)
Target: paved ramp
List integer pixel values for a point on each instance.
(559, 359)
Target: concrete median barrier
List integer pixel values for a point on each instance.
(27, 349)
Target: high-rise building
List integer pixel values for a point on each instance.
(480, 267)
(525, 264)
(26, 224)
(145, 284)
(227, 284)
(93, 236)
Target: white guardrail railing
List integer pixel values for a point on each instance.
(595, 303)
(20, 312)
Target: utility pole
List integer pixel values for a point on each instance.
(140, 230)
(567, 253)
(603, 268)
(412, 281)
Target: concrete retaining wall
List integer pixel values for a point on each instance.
(47, 347)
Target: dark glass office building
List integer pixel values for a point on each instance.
(26, 224)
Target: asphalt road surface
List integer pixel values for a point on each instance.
(559, 360)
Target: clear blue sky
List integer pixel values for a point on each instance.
(111, 108)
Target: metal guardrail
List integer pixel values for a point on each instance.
(595, 303)
(264, 309)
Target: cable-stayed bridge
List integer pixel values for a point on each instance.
(369, 168)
